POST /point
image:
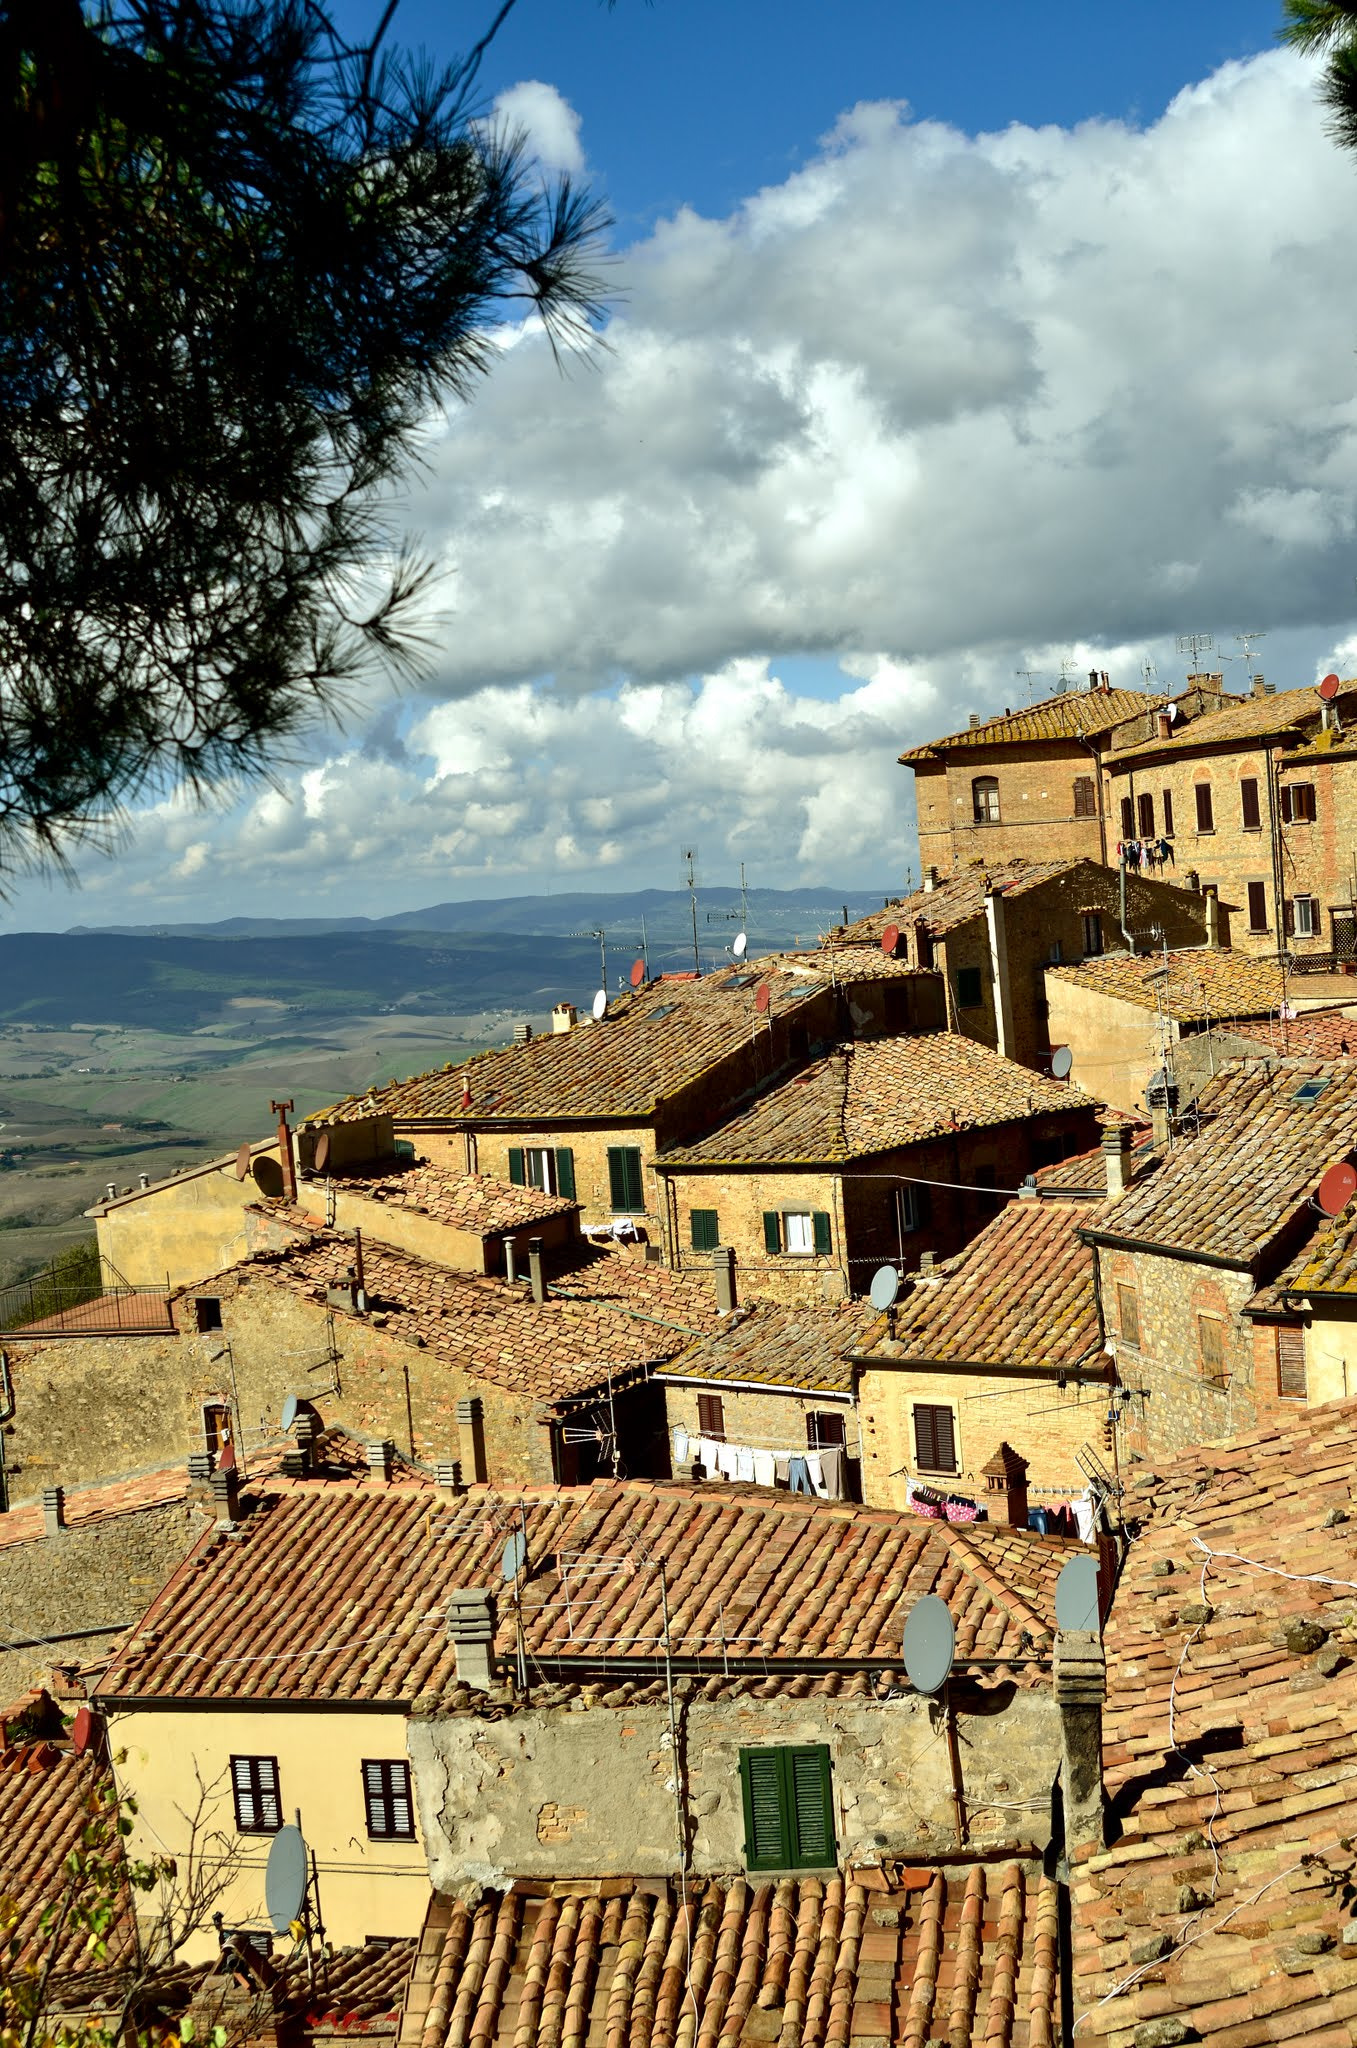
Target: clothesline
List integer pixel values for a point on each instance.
(820, 1472)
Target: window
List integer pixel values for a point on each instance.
(1085, 797)
(1306, 914)
(1145, 814)
(207, 1312)
(913, 1208)
(985, 800)
(788, 1808)
(218, 1429)
(799, 1231)
(1211, 1347)
(706, 1229)
(711, 1417)
(1205, 816)
(1291, 1381)
(1166, 803)
(254, 1784)
(1257, 906)
(934, 1438)
(1093, 933)
(624, 1180)
(1248, 804)
(386, 1794)
(1128, 1314)
(968, 988)
(1128, 818)
(1298, 803)
(548, 1167)
(825, 1430)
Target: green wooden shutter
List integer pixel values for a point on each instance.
(766, 1841)
(565, 1172)
(706, 1229)
(821, 1223)
(516, 1172)
(772, 1231)
(617, 1176)
(624, 1179)
(634, 1187)
(812, 1805)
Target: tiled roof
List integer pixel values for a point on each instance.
(875, 1095)
(957, 898)
(1201, 982)
(1236, 724)
(1326, 744)
(478, 1202)
(1230, 1752)
(1325, 1034)
(1021, 1293)
(48, 1797)
(359, 1991)
(781, 1347)
(1062, 717)
(1252, 1171)
(844, 958)
(1326, 1263)
(608, 1312)
(651, 1043)
(969, 1957)
(330, 1593)
(1086, 1173)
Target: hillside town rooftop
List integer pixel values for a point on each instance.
(1072, 715)
(1192, 985)
(804, 1347)
(1252, 718)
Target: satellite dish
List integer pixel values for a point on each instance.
(322, 1151)
(242, 1162)
(514, 1555)
(890, 939)
(82, 1732)
(1337, 1188)
(1062, 1059)
(763, 998)
(1170, 711)
(285, 1878)
(741, 945)
(290, 1407)
(600, 1007)
(930, 1643)
(1328, 689)
(638, 973)
(885, 1288)
(1076, 1596)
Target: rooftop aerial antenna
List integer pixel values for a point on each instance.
(1246, 641)
(1069, 669)
(597, 932)
(690, 856)
(1026, 676)
(1149, 674)
(1195, 645)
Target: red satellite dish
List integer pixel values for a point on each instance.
(763, 997)
(242, 1162)
(1328, 689)
(1337, 1188)
(82, 1732)
(638, 973)
(890, 939)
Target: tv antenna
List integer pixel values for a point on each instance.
(1069, 669)
(1246, 642)
(1026, 676)
(597, 932)
(1195, 644)
(1149, 674)
(690, 856)
(740, 916)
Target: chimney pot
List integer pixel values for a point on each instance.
(927, 1261)
(1117, 1159)
(471, 1629)
(1212, 897)
(448, 1479)
(1005, 1478)
(111, 1191)
(535, 1273)
(930, 879)
(563, 1016)
(1259, 687)
(471, 1432)
(144, 1179)
(200, 1468)
(226, 1498)
(510, 1259)
(53, 1510)
(522, 1034)
(723, 1265)
(975, 720)
(381, 1452)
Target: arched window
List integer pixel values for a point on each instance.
(985, 799)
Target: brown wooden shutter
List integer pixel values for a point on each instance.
(711, 1417)
(1291, 1380)
(1248, 798)
(1128, 1314)
(1205, 817)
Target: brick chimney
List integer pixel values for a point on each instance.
(723, 1266)
(930, 879)
(1117, 1144)
(1005, 1478)
(471, 1628)
(564, 1016)
(1080, 1670)
(536, 1275)
(381, 1453)
(226, 1498)
(448, 1479)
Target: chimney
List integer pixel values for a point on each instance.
(1211, 895)
(471, 1431)
(1165, 726)
(1117, 1159)
(1106, 681)
(927, 1261)
(510, 1259)
(306, 1431)
(975, 720)
(448, 1479)
(111, 1191)
(930, 879)
(1080, 1671)
(286, 1158)
(53, 1510)
(200, 1473)
(1193, 881)
(522, 1034)
(1005, 1478)
(723, 1265)
(564, 1016)
(1093, 679)
(226, 1499)
(535, 1273)
(145, 1181)
(381, 1451)
(471, 1629)
(1259, 687)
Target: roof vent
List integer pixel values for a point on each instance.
(522, 1034)
(975, 720)
(564, 1016)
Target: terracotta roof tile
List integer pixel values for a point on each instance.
(1086, 1172)
(1247, 1179)
(1234, 725)
(875, 1095)
(1021, 1293)
(48, 1797)
(341, 1593)
(1065, 716)
(1322, 1034)
(1230, 1750)
(781, 1347)
(1326, 1262)
(1201, 982)
(477, 1202)
(969, 1956)
(958, 898)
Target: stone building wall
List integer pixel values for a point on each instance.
(591, 1793)
(1231, 855)
(1043, 1424)
(1318, 854)
(775, 1422)
(1182, 1405)
(1036, 805)
(487, 1151)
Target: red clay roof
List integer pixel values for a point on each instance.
(1240, 723)
(806, 1962)
(1320, 1034)
(478, 1202)
(958, 898)
(341, 1593)
(781, 1347)
(1062, 717)
(1230, 1751)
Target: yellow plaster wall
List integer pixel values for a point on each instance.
(1330, 1352)
(366, 1887)
(1043, 1425)
(185, 1228)
(1114, 1043)
(488, 1152)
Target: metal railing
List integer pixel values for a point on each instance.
(82, 1299)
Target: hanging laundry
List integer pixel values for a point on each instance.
(765, 1468)
(782, 1471)
(1166, 853)
(959, 1510)
(834, 1464)
(817, 1472)
(680, 1446)
(1039, 1521)
(725, 1461)
(799, 1476)
(1085, 1519)
(744, 1465)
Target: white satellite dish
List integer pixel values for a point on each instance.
(885, 1288)
(285, 1878)
(1076, 1596)
(741, 945)
(1062, 1059)
(929, 1643)
(600, 1005)
(1170, 710)
(514, 1555)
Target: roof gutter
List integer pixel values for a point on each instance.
(1162, 1251)
(975, 1367)
(687, 1379)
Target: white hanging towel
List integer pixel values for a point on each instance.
(765, 1468)
(744, 1465)
(1083, 1515)
(680, 1446)
(817, 1474)
(726, 1460)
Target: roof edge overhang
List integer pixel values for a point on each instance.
(980, 1368)
(690, 1379)
(1114, 1241)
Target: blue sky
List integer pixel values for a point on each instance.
(948, 343)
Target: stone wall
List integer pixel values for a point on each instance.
(1044, 1425)
(487, 1151)
(1036, 806)
(775, 1422)
(1182, 1405)
(591, 1793)
(1230, 855)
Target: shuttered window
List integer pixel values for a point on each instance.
(706, 1229)
(1257, 906)
(772, 1231)
(985, 800)
(788, 1808)
(1085, 797)
(711, 1417)
(1211, 1346)
(968, 988)
(1128, 818)
(1298, 803)
(1205, 816)
(254, 1786)
(913, 1207)
(1145, 819)
(934, 1438)
(565, 1172)
(1167, 801)
(1291, 1380)
(517, 1167)
(624, 1180)
(386, 1794)
(1248, 803)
